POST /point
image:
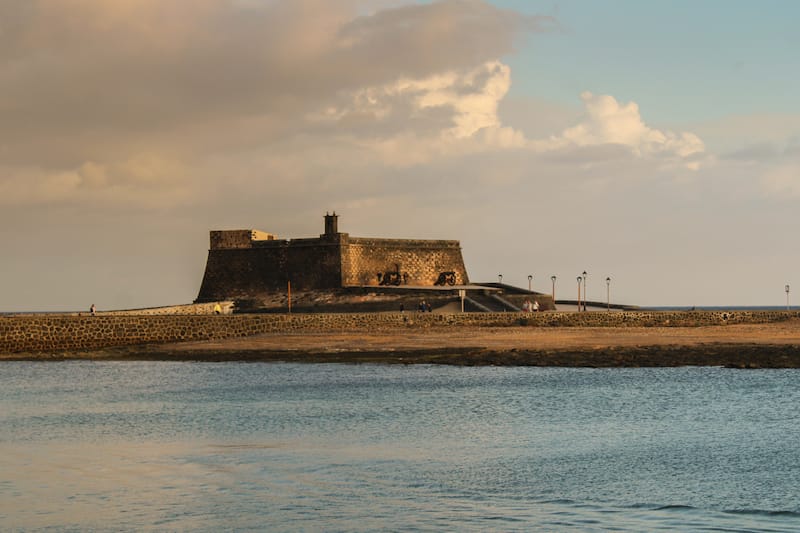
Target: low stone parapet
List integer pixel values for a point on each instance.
(54, 333)
(205, 308)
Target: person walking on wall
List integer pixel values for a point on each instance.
(92, 310)
(536, 306)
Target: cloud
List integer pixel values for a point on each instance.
(150, 65)
(752, 153)
(607, 122)
(731, 133)
(776, 166)
(143, 104)
(160, 120)
(145, 180)
(410, 121)
(190, 83)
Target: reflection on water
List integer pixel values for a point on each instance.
(187, 446)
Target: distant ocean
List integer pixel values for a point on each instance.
(165, 446)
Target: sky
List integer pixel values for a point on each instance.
(653, 143)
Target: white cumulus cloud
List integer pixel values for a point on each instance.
(607, 122)
(411, 120)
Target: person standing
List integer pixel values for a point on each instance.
(92, 310)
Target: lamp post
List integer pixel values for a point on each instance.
(530, 280)
(584, 290)
(553, 280)
(787, 297)
(500, 279)
(608, 294)
(580, 279)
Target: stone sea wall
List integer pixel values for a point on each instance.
(55, 333)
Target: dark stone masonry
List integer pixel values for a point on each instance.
(58, 333)
(251, 264)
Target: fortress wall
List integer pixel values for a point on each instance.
(316, 266)
(422, 260)
(248, 264)
(58, 333)
(241, 273)
(239, 238)
(267, 267)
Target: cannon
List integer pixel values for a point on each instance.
(446, 278)
(391, 278)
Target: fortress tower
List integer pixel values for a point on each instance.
(248, 264)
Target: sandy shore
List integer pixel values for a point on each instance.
(775, 345)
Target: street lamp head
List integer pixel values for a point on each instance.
(553, 279)
(787, 289)
(580, 279)
(530, 277)
(608, 280)
(584, 273)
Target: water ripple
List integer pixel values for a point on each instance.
(204, 447)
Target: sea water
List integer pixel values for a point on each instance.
(161, 446)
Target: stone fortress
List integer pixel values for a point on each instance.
(348, 283)
(251, 265)
(338, 273)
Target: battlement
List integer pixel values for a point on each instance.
(249, 264)
(238, 238)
